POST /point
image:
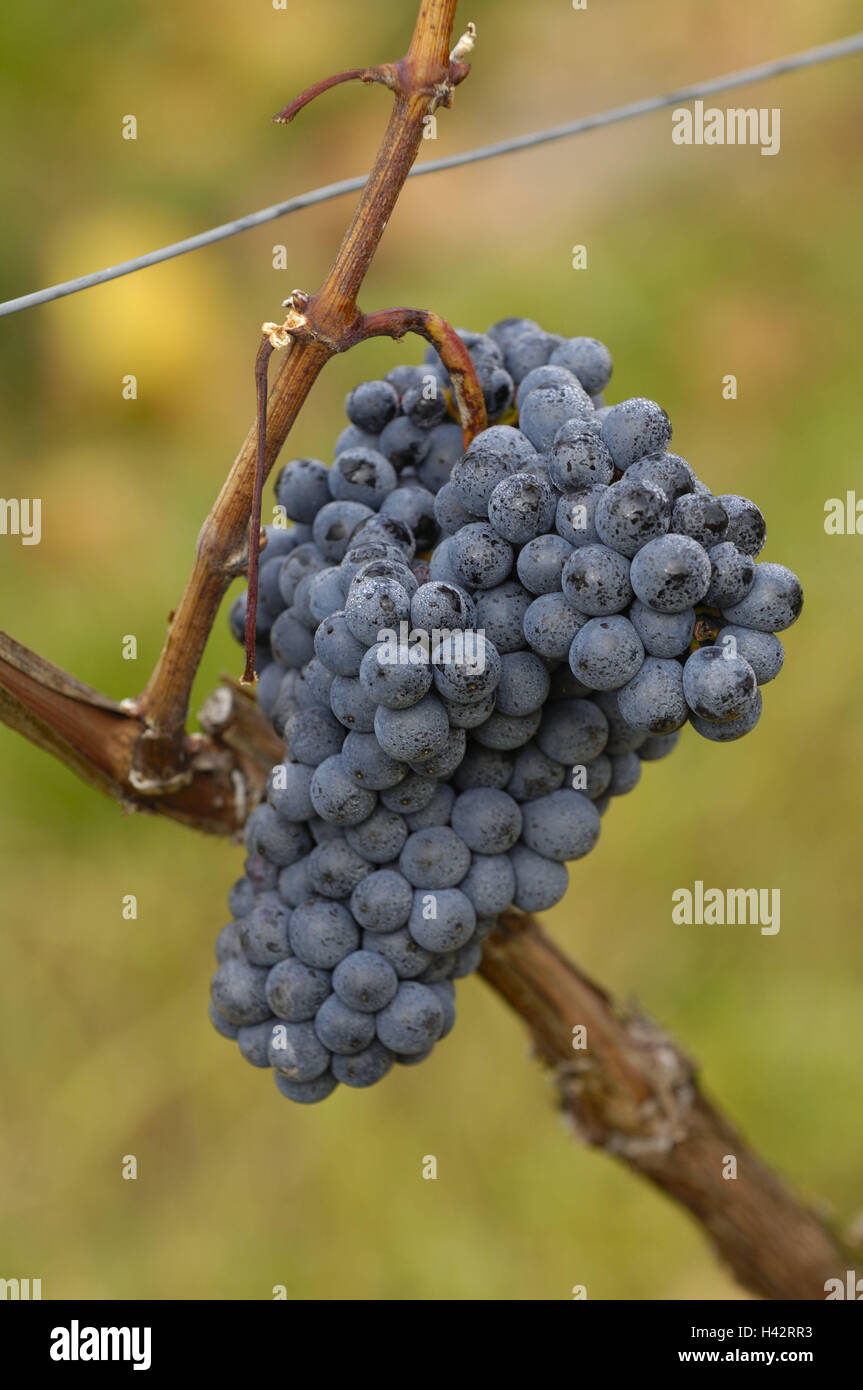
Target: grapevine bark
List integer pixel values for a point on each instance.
(630, 1091)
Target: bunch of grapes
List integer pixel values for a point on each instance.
(468, 654)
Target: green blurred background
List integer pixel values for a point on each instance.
(702, 262)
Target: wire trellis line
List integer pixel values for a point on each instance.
(823, 53)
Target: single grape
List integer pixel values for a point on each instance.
(671, 573)
(606, 653)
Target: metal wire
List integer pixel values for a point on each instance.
(824, 53)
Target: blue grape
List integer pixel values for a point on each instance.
(539, 882)
(423, 404)
(563, 825)
(634, 428)
(470, 714)
(669, 472)
(405, 955)
(385, 530)
(480, 557)
(302, 488)
(542, 376)
(596, 580)
(379, 839)
(364, 759)
(572, 731)
(575, 519)
(747, 528)
(541, 563)
(239, 992)
(352, 437)
(524, 684)
(718, 685)
(264, 932)
(653, 701)
(296, 991)
(588, 359)
(489, 884)
(277, 840)
(597, 777)
(465, 671)
(375, 605)
(334, 525)
(341, 1029)
(700, 516)
(221, 1025)
(732, 574)
(395, 676)
(534, 774)
(415, 506)
(308, 1093)
(762, 650)
(336, 796)
(490, 457)
(364, 1068)
(578, 458)
(773, 603)
(630, 514)
(521, 507)
(313, 736)
(625, 773)
(403, 444)
(671, 573)
(507, 731)
(352, 705)
(658, 746)
(486, 820)
(550, 624)
(443, 762)
(336, 646)
(412, 794)
(293, 883)
(505, 331)
(335, 869)
(443, 448)
(545, 409)
(468, 959)
(728, 730)
(296, 1051)
(414, 733)
(606, 653)
(450, 513)
(620, 737)
(322, 933)
(371, 405)
(228, 943)
(288, 787)
(434, 858)
(438, 606)
(314, 684)
(440, 568)
(483, 767)
(437, 812)
(530, 348)
(383, 901)
(443, 920)
(413, 1021)
(402, 377)
(663, 634)
(241, 897)
(291, 642)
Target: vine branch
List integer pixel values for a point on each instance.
(631, 1092)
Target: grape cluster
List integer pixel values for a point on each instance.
(468, 655)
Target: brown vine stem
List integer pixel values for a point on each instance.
(422, 80)
(631, 1092)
